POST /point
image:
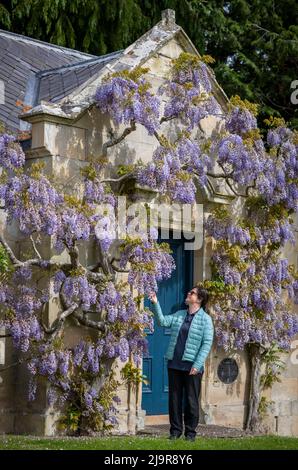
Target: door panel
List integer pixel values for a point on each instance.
(171, 295)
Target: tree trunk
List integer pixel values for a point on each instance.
(253, 419)
(84, 428)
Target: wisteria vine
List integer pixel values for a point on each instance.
(249, 274)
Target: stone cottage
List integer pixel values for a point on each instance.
(48, 94)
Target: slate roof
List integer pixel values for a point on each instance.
(34, 70)
(57, 83)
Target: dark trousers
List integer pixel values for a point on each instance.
(184, 391)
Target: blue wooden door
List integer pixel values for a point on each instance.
(171, 296)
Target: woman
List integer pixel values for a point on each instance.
(191, 340)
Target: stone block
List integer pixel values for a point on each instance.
(30, 423)
(51, 423)
(294, 426)
(121, 427)
(284, 426)
(2, 349)
(269, 424)
(285, 408)
(210, 123)
(287, 389)
(219, 393)
(291, 361)
(6, 422)
(140, 420)
(159, 66)
(38, 424)
(66, 141)
(6, 393)
(295, 407)
(156, 420)
(225, 415)
(172, 49)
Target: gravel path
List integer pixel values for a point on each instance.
(204, 430)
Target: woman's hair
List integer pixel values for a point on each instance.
(203, 295)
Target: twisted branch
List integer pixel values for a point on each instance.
(157, 136)
(101, 326)
(9, 251)
(220, 175)
(74, 256)
(116, 140)
(233, 190)
(31, 262)
(14, 364)
(58, 322)
(119, 270)
(117, 180)
(11, 365)
(34, 247)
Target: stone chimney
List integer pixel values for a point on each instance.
(168, 17)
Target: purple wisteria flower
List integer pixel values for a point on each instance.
(142, 107)
(240, 121)
(159, 263)
(11, 153)
(78, 289)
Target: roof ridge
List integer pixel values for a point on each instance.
(21, 37)
(102, 58)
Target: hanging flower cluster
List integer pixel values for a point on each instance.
(149, 262)
(173, 167)
(189, 92)
(126, 97)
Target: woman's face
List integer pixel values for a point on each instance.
(192, 297)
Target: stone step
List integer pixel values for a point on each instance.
(156, 419)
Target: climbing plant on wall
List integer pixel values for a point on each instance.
(252, 285)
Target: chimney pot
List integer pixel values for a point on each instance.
(168, 16)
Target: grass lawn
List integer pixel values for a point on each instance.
(147, 443)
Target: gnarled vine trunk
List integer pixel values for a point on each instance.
(253, 418)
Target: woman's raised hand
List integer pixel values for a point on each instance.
(153, 297)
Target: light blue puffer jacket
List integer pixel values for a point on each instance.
(200, 335)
